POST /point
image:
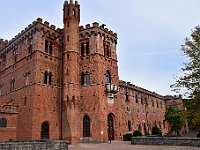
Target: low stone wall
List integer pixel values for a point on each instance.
(178, 141)
(34, 145)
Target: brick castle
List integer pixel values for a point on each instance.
(64, 84)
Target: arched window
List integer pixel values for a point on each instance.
(48, 78)
(3, 123)
(108, 77)
(50, 48)
(86, 126)
(85, 78)
(45, 131)
(46, 46)
(129, 125)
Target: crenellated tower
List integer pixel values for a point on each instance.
(71, 91)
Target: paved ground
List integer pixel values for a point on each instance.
(118, 145)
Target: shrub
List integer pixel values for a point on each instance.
(137, 133)
(156, 131)
(127, 137)
(147, 133)
(198, 135)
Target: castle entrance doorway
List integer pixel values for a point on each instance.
(111, 125)
(86, 126)
(45, 131)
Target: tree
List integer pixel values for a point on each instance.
(176, 119)
(194, 113)
(191, 78)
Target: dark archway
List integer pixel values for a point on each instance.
(45, 131)
(86, 126)
(111, 125)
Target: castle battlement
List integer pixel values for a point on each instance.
(27, 35)
(125, 84)
(95, 29)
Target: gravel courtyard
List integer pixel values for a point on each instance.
(119, 145)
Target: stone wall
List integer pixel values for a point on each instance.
(35, 145)
(178, 141)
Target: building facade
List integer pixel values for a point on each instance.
(65, 85)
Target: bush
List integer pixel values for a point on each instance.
(127, 137)
(147, 133)
(137, 133)
(156, 131)
(198, 135)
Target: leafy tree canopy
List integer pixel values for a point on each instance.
(191, 69)
(176, 119)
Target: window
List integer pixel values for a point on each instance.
(50, 48)
(128, 109)
(82, 49)
(126, 96)
(153, 103)
(15, 57)
(136, 99)
(46, 46)
(30, 49)
(85, 78)
(161, 105)
(74, 12)
(157, 104)
(3, 123)
(85, 49)
(107, 50)
(48, 78)
(12, 85)
(129, 125)
(27, 76)
(108, 77)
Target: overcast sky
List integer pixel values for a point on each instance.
(150, 32)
